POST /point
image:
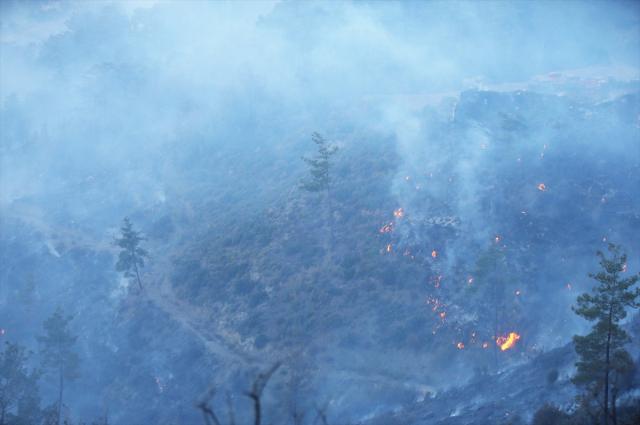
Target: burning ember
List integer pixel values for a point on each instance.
(507, 342)
(542, 187)
(434, 254)
(436, 304)
(470, 280)
(497, 239)
(387, 228)
(624, 268)
(389, 247)
(485, 345)
(443, 315)
(399, 213)
(517, 292)
(460, 345)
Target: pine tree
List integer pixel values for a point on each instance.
(319, 166)
(18, 385)
(320, 180)
(601, 352)
(131, 257)
(58, 355)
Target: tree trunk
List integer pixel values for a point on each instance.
(614, 415)
(329, 220)
(614, 397)
(60, 392)
(256, 409)
(607, 367)
(135, 265)
(495, 328)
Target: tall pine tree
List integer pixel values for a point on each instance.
(319, 166)
(602, 357)
(320, 181)
(131, 257)
(57, 352)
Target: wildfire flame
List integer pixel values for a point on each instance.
(498, 238)
(542, 187)
(434, 254)
(399, 213)
(389, 248)
(470, 280)
(624, 268)
(460, 345)
(507, 342)
(485, 345)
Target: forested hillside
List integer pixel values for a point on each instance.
(400, 248)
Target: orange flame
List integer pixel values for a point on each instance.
(460, 345)
(434, 254)
(542, 187)
(399, 213)
(507, 342)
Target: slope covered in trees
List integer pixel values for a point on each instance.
(397, 204)
(432, 263)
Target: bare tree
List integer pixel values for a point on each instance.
(255, 394)
(257, 389)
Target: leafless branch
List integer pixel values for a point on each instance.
(209, 415)
(256, 391)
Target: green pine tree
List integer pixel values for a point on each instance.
(58, 354)
(319, 166)
(320, 181)
(131, 257)
(602, 356)
(18, 385)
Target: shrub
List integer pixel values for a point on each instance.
(550, 415)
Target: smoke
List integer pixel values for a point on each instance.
(116, 108)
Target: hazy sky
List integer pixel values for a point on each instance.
(114, 87)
